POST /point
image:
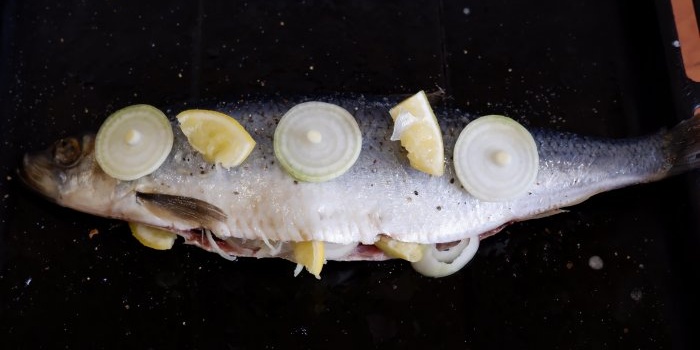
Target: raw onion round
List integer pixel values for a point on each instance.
(133, 142)
(496, 159)
(317, 141)
(437, 263)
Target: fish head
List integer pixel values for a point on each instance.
(68, 174)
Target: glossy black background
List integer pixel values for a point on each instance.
(598, 67)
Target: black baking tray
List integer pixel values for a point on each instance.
(597, 67)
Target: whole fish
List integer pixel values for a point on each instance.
(256, 209)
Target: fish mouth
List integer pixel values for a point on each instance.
(37, 173)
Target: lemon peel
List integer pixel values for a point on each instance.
(311, 255)
(152, 237)
(416, 126)
(218, 137)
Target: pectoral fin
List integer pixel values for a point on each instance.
(548, 213)
(179, 208)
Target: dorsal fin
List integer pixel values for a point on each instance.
(189, 209)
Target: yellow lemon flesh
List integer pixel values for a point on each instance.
(400, 250)
(418, 129)
(152, 237)
(310, 254)
(218, 137)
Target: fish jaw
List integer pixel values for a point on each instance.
(37, 174)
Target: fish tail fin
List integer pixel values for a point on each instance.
(684, 140)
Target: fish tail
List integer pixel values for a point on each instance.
(684, 140)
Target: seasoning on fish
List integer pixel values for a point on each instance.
(259, 210)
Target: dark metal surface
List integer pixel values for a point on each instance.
(606, 68)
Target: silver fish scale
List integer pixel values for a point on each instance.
(381, 193)
(632, 157)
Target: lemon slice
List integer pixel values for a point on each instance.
(217, 136)
(310, 254)
(152, 237)
(133, 142)
(401, 250)
(418, 129)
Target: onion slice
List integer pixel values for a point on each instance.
(215, 246)
(496, 159)
(133, 142)
(338, 251)
(317, 141)
(437, 263)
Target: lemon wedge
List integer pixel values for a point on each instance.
(152, 237)
(311, 255)
(412, 252)
(217, 136)
(418, 129)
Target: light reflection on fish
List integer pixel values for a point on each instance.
(255, 209)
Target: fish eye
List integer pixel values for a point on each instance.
(67, 152)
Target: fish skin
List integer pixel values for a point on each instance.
(380, 194)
